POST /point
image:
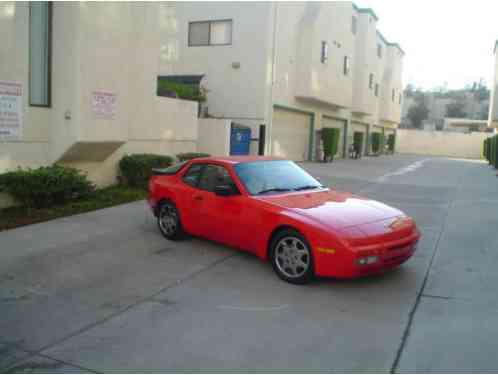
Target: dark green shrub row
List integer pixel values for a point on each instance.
(358, 141)
(490, 150)
(191, 155)
(45, 186)
(376, 142)
(136, 169)
(330, 137)
(391, 142)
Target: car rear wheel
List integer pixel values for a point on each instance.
(168, 221)
(291, 257)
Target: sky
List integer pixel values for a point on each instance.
(445, 41)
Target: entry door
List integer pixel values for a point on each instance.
(240, 140)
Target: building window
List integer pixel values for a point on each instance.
(347, 65)
(40, 48)
(325, 52)
(393, 95)
(210, 33)
(371, 81)
(400, 98)
(354, 25)
(379, 50)
(376, 89)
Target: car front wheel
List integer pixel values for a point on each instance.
(168, 221)
(291, 257)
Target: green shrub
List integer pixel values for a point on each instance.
(376, 142)
(136, 169)
(184, 91)
(45, 186)
(391, 142)
(330, 137)
(191, 155)
(358, 142)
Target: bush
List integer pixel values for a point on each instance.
(391, 142)
(191, 155)
(376, 142)
(330, 137)
(358, 142)
(45, 186)
(184, 91)
(136, 169)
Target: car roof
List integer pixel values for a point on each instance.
(236, 159)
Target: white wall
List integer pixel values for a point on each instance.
(214, 136)
(440, 143)
(232, 93)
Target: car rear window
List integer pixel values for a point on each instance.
(174, 169)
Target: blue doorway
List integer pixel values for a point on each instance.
(240, 140)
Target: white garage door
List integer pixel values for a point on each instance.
(328, 122)
(290, 136)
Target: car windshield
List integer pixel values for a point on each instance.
(274, 176)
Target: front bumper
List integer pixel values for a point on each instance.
(388, 254)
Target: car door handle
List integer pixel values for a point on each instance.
(198, 198)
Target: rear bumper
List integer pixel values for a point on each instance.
(389, 255)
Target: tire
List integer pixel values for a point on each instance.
(291, 257)
(168, 221)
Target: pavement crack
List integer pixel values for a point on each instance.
(130, 306)
(411, 315)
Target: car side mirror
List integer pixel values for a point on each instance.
(224, 191)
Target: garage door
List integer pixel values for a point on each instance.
(328, 122)
(361, 128)
(290, 136)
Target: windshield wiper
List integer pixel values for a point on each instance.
(276, 190)
(308, 187)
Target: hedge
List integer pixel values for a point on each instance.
(191, 155)
(391, 142)
(376, 142)
(136, 169)
(358, 142)
(45, 186)
(330, 137)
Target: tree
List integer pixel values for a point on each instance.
(455, 109)
(418, 112)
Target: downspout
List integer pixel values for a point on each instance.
(273, 64)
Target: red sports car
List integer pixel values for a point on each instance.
(276, 210)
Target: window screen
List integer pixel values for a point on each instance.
(39, 53)
(354, 24)
(198, 34)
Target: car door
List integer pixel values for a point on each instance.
(226, 217)
(192, 199)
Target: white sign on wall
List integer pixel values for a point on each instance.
(10, 110)
(104, 104)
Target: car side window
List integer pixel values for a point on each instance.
(215, 175)
(193, 174)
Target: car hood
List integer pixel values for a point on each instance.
(335, 209)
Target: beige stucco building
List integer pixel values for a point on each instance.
(87, 76)
(78, 81)
(293, 67)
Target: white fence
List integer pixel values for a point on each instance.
(440, 143)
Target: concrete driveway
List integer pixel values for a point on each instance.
(104, 291)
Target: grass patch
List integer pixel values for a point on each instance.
(13, 217)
